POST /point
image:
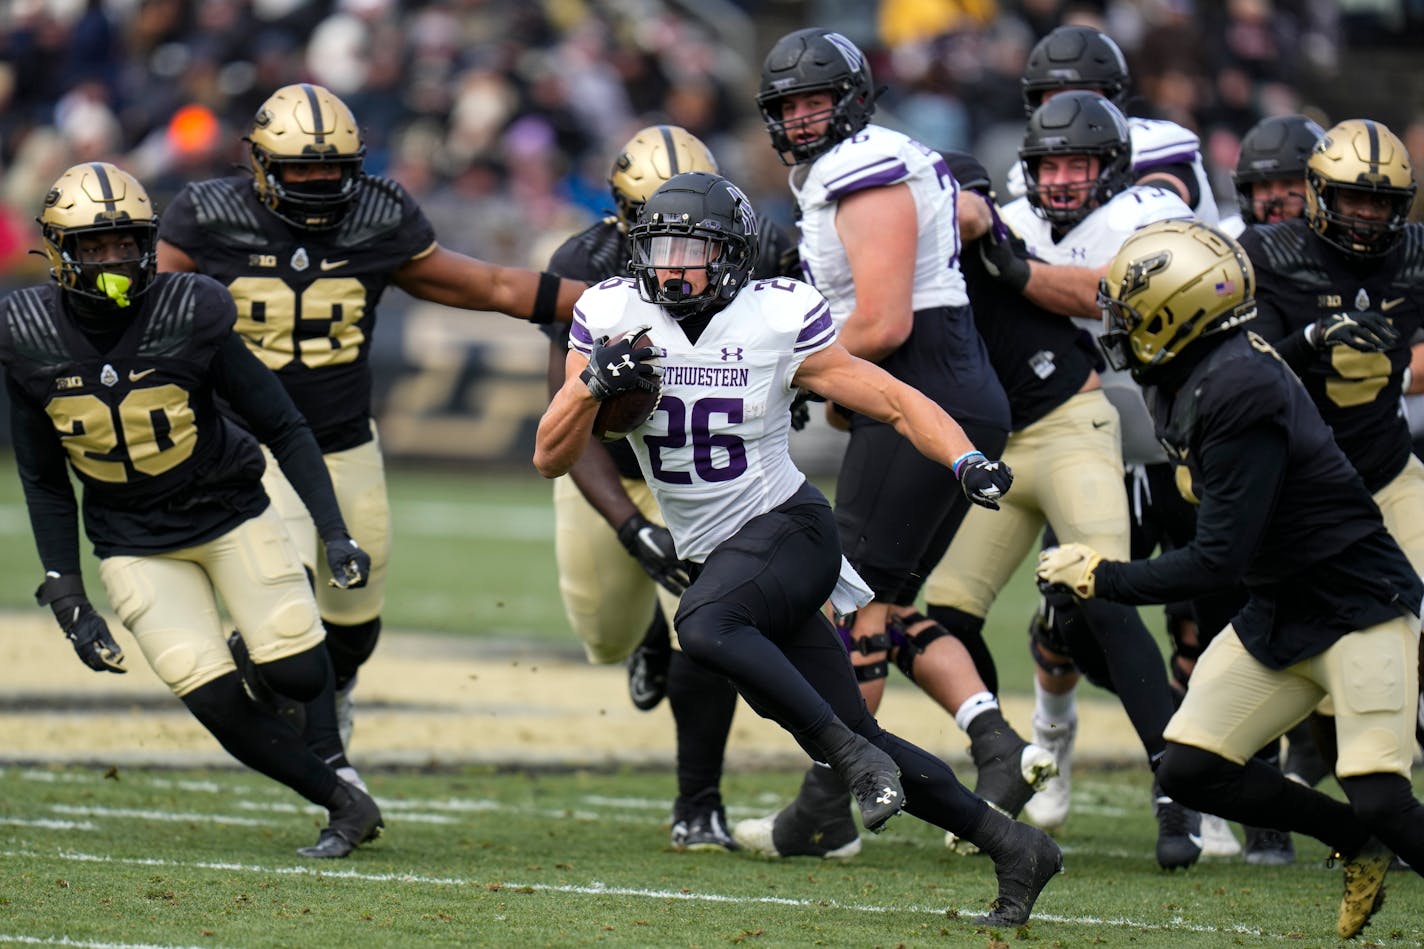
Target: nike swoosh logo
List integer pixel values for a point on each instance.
(1101, 424)
(135, 374)
(333, 264)
(1388, 305)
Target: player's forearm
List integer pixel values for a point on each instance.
(601, 484)
(1070, 291)
(564, 430)
(933, 432)
(44, 478)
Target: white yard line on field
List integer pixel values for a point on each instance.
(594, 888)
(7, 938)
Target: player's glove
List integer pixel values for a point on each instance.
(350, 565)
(1001, 258)
(1365, 330)
(984, 481)
(801, 408)
(616, 366)
(1070, 567)
(86, 629)
(652, 546)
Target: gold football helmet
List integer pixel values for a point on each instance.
(1363, 157)
(1171, 284)
(97, 199)
(306, 153)
(650, 158)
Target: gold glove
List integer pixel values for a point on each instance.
(1070, 567)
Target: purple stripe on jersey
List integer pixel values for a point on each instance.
(887, 171)
(579, 335)
(815, 327)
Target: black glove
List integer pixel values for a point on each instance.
(801, 409)
(85, 628)
(984, 481)
(350, 565)
(1001, 259)
(1365, 330)
(652, 547)
(618, 367)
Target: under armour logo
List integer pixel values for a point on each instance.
(1078, 253)
(624, 362)
(732, 354)
(887, 796)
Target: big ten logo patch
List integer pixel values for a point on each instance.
(452, 387)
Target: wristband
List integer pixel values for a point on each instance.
(958, 462)
(546, 298)
(1309, 333)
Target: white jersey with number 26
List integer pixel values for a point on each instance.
(715, 452)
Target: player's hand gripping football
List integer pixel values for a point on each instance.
(984, 481)
(1071, 567)
(350, 565)
(652, 546)
(618, 366)
(86, 629)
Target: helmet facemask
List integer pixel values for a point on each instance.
(696, 223)
(1076, 125)
(811, 61)
(1362, 159)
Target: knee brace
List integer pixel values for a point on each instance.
(1183, 652)
(350, 647)
(1044, 636)
(906, 648)
(878, 644)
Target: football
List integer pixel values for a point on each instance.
(621, 413)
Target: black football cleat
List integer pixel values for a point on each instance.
(1028, 861)
(1179, 834)
(874, 781)
(355, 820)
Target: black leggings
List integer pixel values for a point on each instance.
(753, 614)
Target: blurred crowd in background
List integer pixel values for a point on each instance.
(501, 116)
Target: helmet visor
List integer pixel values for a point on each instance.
(679, 252)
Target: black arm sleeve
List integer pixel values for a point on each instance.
(1183, 172)
(1292, 345)
(44, 475)
(254, 393)
(1242, 474)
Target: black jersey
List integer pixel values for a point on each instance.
(161, 469)
(306, 300)
(601, 251)
(1300, 279)
(1280, 506)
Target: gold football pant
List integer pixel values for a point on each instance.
(169, 602)
(359, 477)
(608, 596)
(1236, 705)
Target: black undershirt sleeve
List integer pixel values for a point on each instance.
(254, 392)
(44, 475)
(1242, 474)
(1184, 173)
(1292, 345)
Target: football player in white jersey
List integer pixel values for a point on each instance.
(1080, 207)
(728, 356)
(1163, 153)
(880, 238)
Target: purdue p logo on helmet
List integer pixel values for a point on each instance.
(307, 129)
(1171, 284)
(91, 199)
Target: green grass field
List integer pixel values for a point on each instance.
(485, 858)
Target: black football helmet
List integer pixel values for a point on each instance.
(1077, 123)
(305, 124)
(1358, 155)
(815, 60)
(1275, 149)
(1074, 57)
(91, 199)
(696, 221)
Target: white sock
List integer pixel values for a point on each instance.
(1051, 709)
(973, 706)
